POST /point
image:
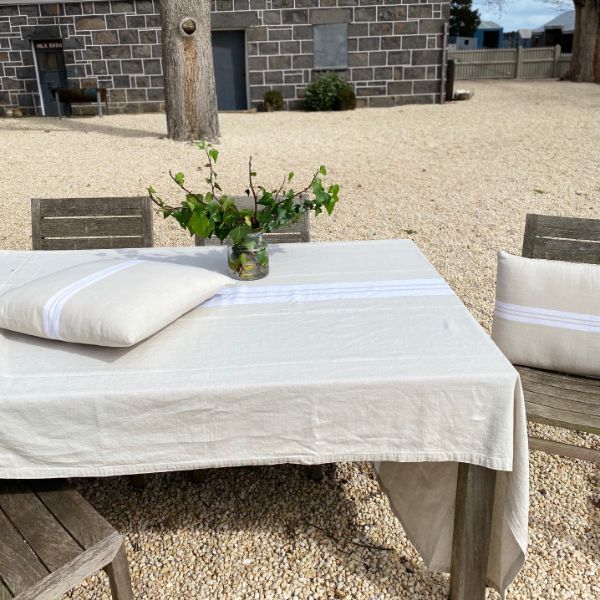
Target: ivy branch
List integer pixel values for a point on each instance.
(215, 213)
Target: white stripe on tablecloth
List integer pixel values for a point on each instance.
(548, 317)
(318, 292)
(53, 307)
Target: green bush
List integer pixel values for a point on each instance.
(273, 100)
(330, 92)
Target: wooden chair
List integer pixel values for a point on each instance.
(297, 232)
(567, 401)
(51, 539)
(91, 223)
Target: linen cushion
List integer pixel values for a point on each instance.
(110, 302)
(547, 314)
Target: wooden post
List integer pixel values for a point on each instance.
(119, 576)
(518, 62)
(557, 53)
(472, 524)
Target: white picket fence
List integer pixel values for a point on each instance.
(510, 63)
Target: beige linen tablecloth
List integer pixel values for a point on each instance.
(354, 351)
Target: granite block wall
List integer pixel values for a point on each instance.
(395, 48)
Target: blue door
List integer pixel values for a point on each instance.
(229, 58)
(52, 73)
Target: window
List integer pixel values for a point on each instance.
(331, 46)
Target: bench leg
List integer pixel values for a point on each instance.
(119, 577)
(472, 523)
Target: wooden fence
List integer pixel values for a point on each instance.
(510, 63)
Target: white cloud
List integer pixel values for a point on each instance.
(520, 14)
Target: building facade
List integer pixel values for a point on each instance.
(391, 51)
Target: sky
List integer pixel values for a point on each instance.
(520, 14)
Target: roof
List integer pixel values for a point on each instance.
(524, 34)
(564, 21)
(489, 25)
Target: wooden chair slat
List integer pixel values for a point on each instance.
(20, 568)
(539, 395)
(72, 511)
(568, 227)
(583, 385)
(91, 226)
(91, 223)
(567, 250)
(75, 571)
(96, 243)
(558, 417)
(47, 538)
(90, 207)
(552, 447)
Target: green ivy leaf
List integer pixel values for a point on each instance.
(214, 154)
(322, 170)
(200, 224)
(179, 178)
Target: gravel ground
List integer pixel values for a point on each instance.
(458, 180)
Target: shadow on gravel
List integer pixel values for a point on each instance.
(83, 125)
(314, 532)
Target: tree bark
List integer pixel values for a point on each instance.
(585, 62)
(189, 79)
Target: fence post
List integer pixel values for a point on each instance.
(557, 53)
(518, 62)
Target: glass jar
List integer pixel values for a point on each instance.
(249, 259)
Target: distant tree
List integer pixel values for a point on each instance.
(464, 19)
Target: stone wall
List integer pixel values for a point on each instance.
(394, 48)
(106, 44)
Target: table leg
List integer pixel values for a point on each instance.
(472, 523)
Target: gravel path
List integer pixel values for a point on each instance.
(458, 180)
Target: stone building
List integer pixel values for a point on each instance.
(391, 51)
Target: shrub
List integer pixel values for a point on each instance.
(273, 100)
(329, 92)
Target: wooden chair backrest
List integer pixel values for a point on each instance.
(562, 238)
(297, 232)
(91, 223)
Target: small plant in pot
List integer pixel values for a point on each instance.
(214, 213)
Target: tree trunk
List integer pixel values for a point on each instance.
(189, 79)
(585, 62)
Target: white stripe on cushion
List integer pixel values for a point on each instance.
(548, 317)
(53, 307)
(318, 292)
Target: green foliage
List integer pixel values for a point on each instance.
(273, 100)
(464, 19)
(329, 91)
(214, 213)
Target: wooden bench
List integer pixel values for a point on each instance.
(91, 223)
(80, 95)
(551, 398)
(296, 232)
(51, 539)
